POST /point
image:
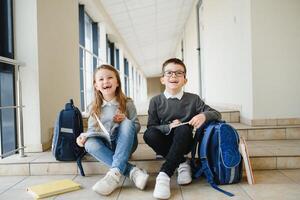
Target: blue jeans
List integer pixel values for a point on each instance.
(122, 148)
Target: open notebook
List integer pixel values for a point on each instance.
(104, 133)
(53, 188)
(180, 124)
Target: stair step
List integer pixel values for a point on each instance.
(232, 116)
(268, 132)
(257, 133)
(276, 154)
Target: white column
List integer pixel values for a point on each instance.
(102, 42)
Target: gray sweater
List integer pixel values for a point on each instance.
(106, 117)
(163, 111)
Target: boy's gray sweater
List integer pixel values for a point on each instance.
(163, 111)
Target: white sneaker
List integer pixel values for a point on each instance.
(139, 177)
(184, 173)
(162, 186)
(108, 183)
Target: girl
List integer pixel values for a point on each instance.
(118, 115)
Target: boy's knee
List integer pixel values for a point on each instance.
(148, 135)
(184, 132)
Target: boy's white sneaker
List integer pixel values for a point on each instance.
(139, 177)
(184, 173)
(108, 183)
(162, 186)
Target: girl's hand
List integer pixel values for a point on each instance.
(197, 120)
(119, 117)
(174, 123)
(80, 140)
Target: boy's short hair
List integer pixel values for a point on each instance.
(175, 61)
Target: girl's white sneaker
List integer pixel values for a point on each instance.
(108, 183)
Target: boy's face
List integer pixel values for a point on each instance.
(173, 78)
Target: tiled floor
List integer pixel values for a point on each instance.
(271, 184)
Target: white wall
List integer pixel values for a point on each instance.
(226, 57)
(26, 49)
(225, 54)
(190, 54)
(276, 64)
(58, 38)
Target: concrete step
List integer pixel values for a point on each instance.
(273, 154)
(232, 116)
(257, 133)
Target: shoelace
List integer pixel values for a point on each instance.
(183, 168)
(110, 179)
(163, 181)
(136, 173)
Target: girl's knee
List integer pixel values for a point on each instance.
(92, 145)
(127, 124)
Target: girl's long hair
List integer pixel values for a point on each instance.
(98, 97)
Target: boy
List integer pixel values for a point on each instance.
(165, 112)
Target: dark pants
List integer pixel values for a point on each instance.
(172, 147)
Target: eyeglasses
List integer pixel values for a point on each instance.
(177, 73)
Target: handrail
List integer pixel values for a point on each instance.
(10, 61)
(18, 106)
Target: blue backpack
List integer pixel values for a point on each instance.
(220, 161)
(68, 127)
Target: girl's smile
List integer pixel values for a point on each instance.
(106, 82)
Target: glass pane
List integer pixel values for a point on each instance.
(88, 33)
(7, 115)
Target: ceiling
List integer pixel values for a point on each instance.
(151, 29)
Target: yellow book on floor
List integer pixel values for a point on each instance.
(53, 188)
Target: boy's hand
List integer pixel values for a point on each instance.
(119, 117)
(197, 120)
(174, 123)
(80, 140)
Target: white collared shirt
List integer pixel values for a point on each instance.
(110, 103)
(178, 95)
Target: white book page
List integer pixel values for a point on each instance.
(247, 163)
(180, 124)
(105, 134)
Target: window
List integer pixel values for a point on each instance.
(117, 63)
(132, 86)
(110, 52)
(8, 137)
(89, 59)
(126, 77)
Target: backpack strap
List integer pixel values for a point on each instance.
(203, 154)
(197, 169)
(79, 163)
